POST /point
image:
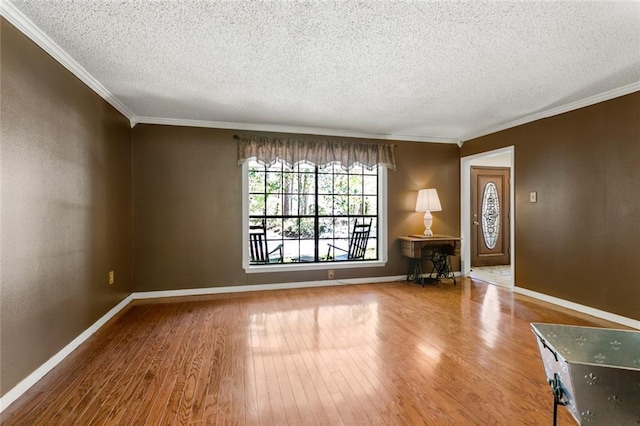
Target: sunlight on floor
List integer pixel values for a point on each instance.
(498, 275)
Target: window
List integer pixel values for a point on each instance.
(306, 209)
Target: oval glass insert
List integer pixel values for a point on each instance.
(490, 215)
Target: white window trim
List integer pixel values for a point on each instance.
(382, 235)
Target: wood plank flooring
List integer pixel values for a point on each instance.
(375, 354)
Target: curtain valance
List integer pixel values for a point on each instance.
(267, 150)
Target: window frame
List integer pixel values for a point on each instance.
(317, 266)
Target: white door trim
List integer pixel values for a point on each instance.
(465, 208)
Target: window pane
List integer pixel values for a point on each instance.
(274, 182)
(370, 206)
(290, 184)
(341, 184)
(323, 249)
(356, 170)
(274, 228)
(291, 250)
(370, 172)
(257, 205)
(254, 165)
(274, 204)
(325, 184)
(355, 206)
(374, 226)
(307, 228)
(370, 185)
(289, 205)
(256, 181)
(325, 204)
(340, 205)
(288, 197)
(307, 183)
(337, 168)
(307, 250)
(256, 222)
(372, 251)
(274, 233)
(326, 227)
(291, 228)
(306, 168)
(490, 214)
(306, 204)
(342, 227)
(355, 184)
(327, 169)
(340, 249)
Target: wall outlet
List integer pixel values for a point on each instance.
(112, 277)
(330, 274)
(533, 197)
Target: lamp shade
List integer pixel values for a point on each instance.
(428, 201)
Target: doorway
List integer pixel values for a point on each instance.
(488, 249)
(490, 216)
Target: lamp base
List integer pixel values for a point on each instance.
(428, 221)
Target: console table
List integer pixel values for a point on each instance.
(437, 249)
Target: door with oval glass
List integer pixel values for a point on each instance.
(490, 216)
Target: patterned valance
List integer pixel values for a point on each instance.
(267, 150)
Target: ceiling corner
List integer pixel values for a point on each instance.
(35, 34)
(591, 100)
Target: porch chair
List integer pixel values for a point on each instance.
(357, 243)
(259, 248)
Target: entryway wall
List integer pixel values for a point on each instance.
(503, 157)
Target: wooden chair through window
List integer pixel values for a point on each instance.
(259, 247)
(357, 244)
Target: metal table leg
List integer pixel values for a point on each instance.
(415, 271)
(442, 265)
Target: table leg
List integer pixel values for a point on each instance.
(415, 271)
(442, 265)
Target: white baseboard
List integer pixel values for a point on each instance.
(629, 322)
(8, 398)
(260, 287)
(30, 380)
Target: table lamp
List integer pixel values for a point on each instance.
(427, 202)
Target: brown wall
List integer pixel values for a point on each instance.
(187, 208)
(581, 240)
(65, 207)
(66, 203)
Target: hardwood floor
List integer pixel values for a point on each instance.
(377, 354)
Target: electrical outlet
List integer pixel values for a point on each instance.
(112, 277)
(330, 274)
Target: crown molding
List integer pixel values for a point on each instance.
(288, 129)
(591, 100)
(28, 28)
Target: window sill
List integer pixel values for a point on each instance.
(290, 267)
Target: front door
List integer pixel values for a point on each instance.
(490, 216)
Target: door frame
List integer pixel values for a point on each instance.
(465, 209)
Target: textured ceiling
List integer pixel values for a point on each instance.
(406, 69)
